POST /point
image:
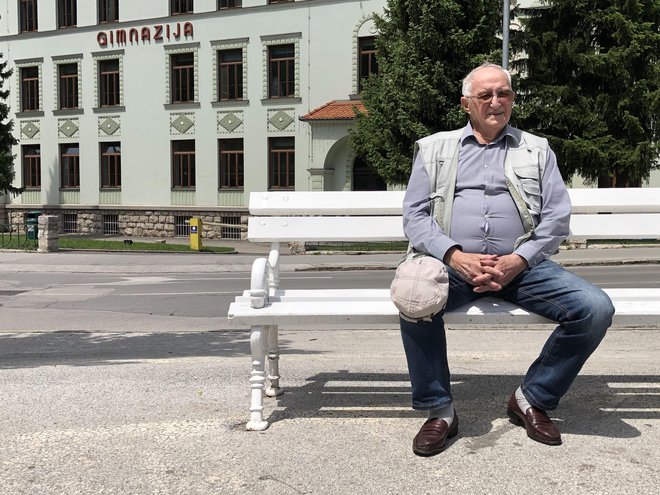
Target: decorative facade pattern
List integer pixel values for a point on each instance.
(33, 62)
(30, 129)
(230, 122)
(67, 59)
(182, 123)
(280, 120)
(68, 128)
(109, 126)
(172, 50)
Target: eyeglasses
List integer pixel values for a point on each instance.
(503, 95)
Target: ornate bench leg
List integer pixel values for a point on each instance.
(273, 353)
(257, 378)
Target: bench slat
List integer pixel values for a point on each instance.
(268, 229)
(390, 228)
(339, 306)
(615, 200)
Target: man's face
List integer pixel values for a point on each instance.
(490, 103)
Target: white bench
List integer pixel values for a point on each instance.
(281, 217)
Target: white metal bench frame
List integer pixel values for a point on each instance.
(279, 217)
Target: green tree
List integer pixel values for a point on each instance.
(7, 139)
(590, 84)
(425, 48)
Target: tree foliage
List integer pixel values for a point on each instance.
(590, 84)
(425, 48)
(7, 139)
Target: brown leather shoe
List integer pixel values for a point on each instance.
(432, 437)
(537, 423)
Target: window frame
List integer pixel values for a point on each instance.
(28, 19)
(30, 87)
(367, 55)
(183, 159)
(31, 166)
(69, 167)
(237, 76)
(275, 156)
(176, 88)
(108, 11)
(110, 165)
(68, 87)
(181, 7)
(231, 164)
(278, 61)
(230, 4)
(67, 14)
(109, 97)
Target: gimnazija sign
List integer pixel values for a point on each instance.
(157, 32)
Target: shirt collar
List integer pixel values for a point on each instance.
(507, 132)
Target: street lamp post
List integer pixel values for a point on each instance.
(505, 34)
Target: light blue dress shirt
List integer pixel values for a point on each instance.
(485, 218)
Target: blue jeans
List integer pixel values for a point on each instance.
(582, 310)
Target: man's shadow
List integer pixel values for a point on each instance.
(595, 405)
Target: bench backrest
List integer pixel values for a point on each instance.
(632, 213)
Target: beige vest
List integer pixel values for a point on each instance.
(523, 169)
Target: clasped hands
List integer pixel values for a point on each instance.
(486, 272)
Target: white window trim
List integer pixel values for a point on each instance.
(174, 50)
(281, 39)
(97, 57)
(70, 59)
(25, 64)
(220, 45)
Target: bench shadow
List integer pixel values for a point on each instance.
(83, 348)
(596, 404)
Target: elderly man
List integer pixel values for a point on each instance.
(488, 200)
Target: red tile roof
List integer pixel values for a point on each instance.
(336, 110)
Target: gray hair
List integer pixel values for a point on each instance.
(467, 82)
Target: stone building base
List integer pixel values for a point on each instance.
(137, 223)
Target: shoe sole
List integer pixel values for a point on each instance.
(518, 421)
(428, 453)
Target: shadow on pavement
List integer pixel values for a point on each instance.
(596, 404)
(73, 348)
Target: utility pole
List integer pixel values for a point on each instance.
(505, 34)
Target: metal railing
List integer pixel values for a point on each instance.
(16, 237)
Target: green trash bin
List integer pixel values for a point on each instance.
(32, 224)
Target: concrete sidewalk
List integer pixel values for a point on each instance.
(157, 413)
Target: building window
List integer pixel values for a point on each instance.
(66, 13)
(69, 166)
(68, 85)
(70, 223)
(367, 63)
(32, 166)
(230, 74)
(108, 11)
(228, 232)
(183, 164)
(109, 82)
(281, 163)
(231, 163)
(28, 15)
(110, 165)
(110, 224)
(228, 4)
(281, 71)
(181, 6)
(29, 88)
(182, 77)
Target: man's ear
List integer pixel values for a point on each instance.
(465, 104)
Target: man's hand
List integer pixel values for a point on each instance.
(479, 270)
(510, 266)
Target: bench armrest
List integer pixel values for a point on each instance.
(265, 277)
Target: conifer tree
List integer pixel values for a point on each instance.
(425, 48)
(7, 139)
(590, 83)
